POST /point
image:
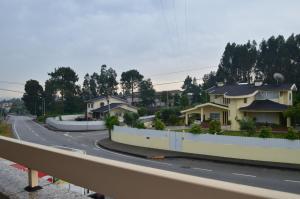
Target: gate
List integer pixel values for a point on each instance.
(175, 141)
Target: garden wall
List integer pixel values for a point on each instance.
(68, 125)
(246, 148)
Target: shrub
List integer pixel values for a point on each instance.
(140, 125)
(170, 115)
(5, 129)
(214, 127)
(42, 118)
(142, 111)
(110, 122)
(159, 125)
(196, 129)
(130, 118)
(291, 134)
(265, 132)
(247, 125)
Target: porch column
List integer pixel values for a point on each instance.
(202, 115)
(186, 119)
(288, 122)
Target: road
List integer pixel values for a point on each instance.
(276, 179)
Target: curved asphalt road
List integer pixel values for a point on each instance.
(276, 179)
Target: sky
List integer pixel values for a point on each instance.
(165, 40)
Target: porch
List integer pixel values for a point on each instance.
(267, 112)
(207, 111)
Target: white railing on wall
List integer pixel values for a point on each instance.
(122, 180)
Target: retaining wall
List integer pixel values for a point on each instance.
(75, 125)
(246, 148)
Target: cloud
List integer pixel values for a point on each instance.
(154, 36)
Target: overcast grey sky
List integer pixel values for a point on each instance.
(153, 36)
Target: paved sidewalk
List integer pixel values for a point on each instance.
(150, 153)
(13, 182)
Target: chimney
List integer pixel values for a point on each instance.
(220, 84)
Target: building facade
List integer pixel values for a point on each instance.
(99, 107)
(264, 103)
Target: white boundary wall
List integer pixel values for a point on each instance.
(75, 125)
(250, 148)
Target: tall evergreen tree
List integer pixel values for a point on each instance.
(33, 97)
(107, 81)
(147, 93)
(130, 81)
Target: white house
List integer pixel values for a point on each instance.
(99, 107)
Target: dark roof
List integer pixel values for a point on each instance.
(247, 89)
(103, 97)
(264, 105)
(104, 109)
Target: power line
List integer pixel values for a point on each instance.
(182, 71)
(8, 82)
(167, 83)
(9, 90)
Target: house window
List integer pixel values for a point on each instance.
(245, 114)
(215, 116)
(281, 94)
(101, 104)
(226, 101)
(92, 105)
(290, 97)
(245, 100)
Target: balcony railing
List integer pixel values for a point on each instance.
(123, 180)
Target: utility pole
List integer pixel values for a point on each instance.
(131, 90)
(44, 105)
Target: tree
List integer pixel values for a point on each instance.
(184, 101)
(107, 81)
(130, 81)
(33, 97)
(63, 81)
(131, 118)
(93, 85)
(147, 93)
(209, 80)
(237, 62)
(187, 85)
(176, 99)
(86, 88)
(190, 86)
(170, 116)
(110, 122)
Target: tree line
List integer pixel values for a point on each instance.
(239, 63)
(62, 94)
(251, 61)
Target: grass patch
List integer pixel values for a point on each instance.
(5, 130)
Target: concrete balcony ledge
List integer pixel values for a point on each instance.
(13, 182)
